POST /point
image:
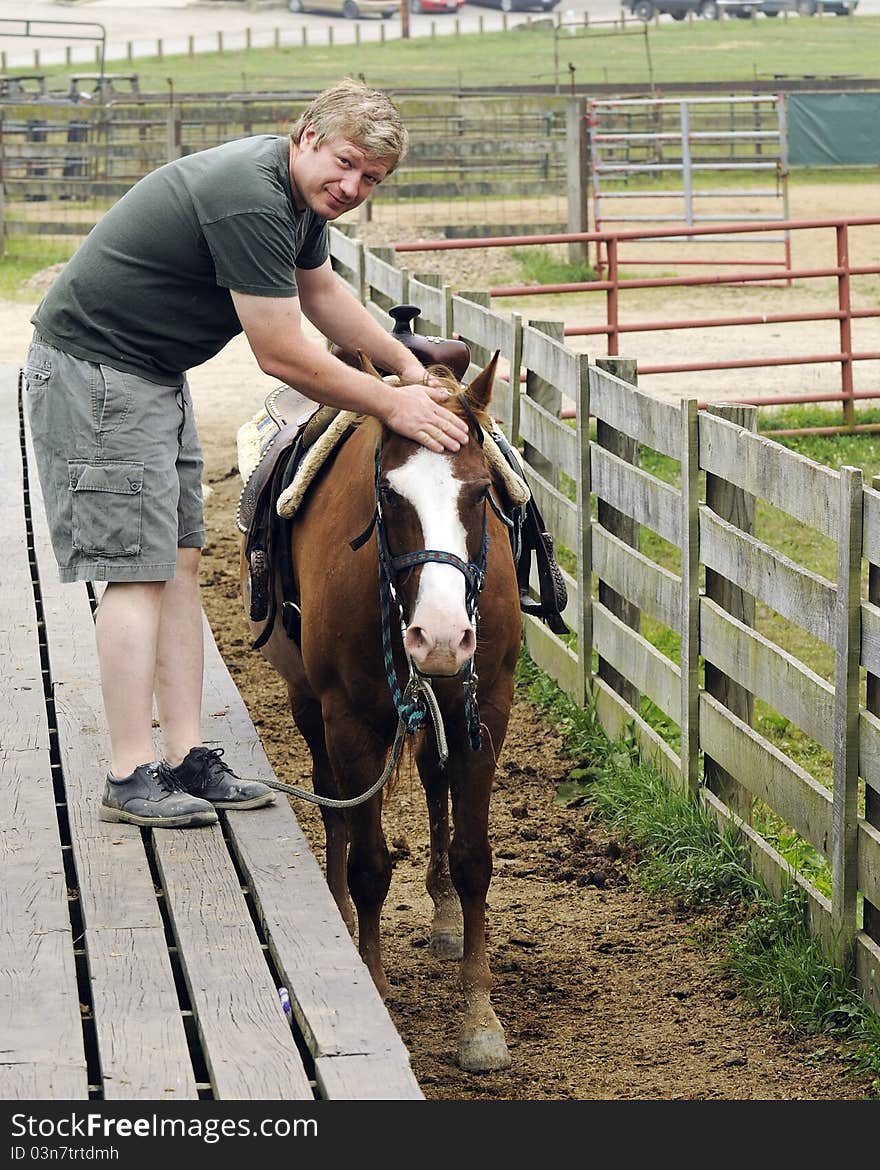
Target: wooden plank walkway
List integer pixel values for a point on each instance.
(141, 965)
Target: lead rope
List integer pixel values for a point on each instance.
(396, 748)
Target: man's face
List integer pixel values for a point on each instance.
(334, 177)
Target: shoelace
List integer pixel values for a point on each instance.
(166, 779)
(211, 766)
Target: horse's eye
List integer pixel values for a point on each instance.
(477, 493)
(390, 498)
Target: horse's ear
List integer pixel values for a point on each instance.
(366, 365)
(479, 391)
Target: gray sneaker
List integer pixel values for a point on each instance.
(151, 796)
(203, 773)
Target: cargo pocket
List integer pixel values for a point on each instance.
(106, 507)
(36, 377)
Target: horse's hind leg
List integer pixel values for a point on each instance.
(307, 716)
(447, 927)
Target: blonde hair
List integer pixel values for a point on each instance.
(366, 117)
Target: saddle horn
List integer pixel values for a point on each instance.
(431, 351)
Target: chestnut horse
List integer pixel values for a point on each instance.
(434, 524)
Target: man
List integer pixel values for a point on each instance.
(228, 239)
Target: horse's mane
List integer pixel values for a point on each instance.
(457, 401)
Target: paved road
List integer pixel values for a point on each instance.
(78, 28)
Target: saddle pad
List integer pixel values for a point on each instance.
(291, 498)
(252, 440)
(515, 485)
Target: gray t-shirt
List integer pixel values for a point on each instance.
(148, 290)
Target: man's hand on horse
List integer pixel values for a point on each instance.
(418, 415)
(415, 372)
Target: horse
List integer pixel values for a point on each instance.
(399, 555)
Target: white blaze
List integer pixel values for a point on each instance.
(439, 638)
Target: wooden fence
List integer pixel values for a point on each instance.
(603, 507)
(61, 162)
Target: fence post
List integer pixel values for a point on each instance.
(737, 507)
(872, 702)
(584, 551)
(576, 174)
(172, 133)
(624, 527)
(844, 814)
(2, 209)
(548, 396)
(690, 596)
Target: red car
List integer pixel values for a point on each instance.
(436, 5)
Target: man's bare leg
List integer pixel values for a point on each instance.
(127, 633)
(180, 659)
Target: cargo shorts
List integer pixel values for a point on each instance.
(120, 467)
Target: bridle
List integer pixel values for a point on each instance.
(412, 702)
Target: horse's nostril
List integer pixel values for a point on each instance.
(468, 642)
(417, 639)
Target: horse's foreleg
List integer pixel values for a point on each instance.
(357, 757)
(447, 931)
(307, 716)
(481, 1043)
(369, 878)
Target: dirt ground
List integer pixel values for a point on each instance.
(605, 993)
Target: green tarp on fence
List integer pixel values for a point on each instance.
(833, 129)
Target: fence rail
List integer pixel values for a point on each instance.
(600, 503)
(845, 273)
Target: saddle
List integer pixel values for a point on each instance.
(298, 424)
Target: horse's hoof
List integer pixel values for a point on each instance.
(483, 1052)
(447, 944)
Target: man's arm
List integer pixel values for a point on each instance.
(273, 326)
(342, 318)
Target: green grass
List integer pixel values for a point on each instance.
(662, 55)
(781, 970)
(23, 257)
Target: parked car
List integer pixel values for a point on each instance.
(436, 5)
(351, 9)
(518, 5)
(677, 9)
(801, 7)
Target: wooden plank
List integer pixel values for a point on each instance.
(644, 417)
(124, 932)
(553, 437)
(41, 1037)
(797, 485)
(871, 522)
(767, 671)
(793, 591)
(380, 274)
(868, 850)
(869, 752)
(802, 802)
(870, 652)
(637, 493)
(248, 1046)
(652, 589)
(640, 662)
(333, 997)
(364, 1078)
